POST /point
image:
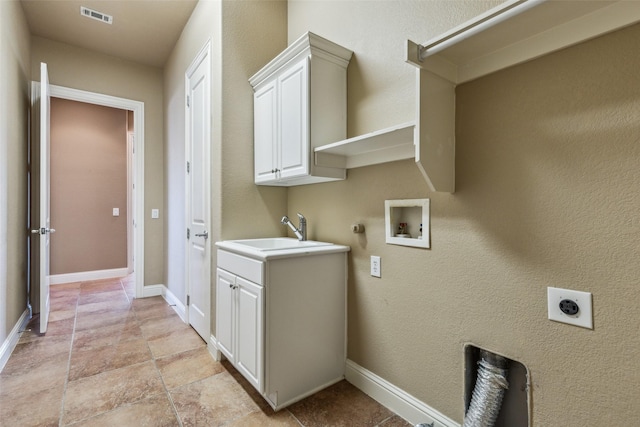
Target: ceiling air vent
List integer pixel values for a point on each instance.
(94, 14)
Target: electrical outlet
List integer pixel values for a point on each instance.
(375, 266)
(572, 307)
(155, 213)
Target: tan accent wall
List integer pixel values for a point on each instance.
(82, 69)
(88, 180)
(244, 36)
(14, 111)
(547, 174)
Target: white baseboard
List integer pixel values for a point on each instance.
(12, 339)
(153, 291)
(397, 400)
(177, 305)
(212, 346)
(84, 276)
(164, 292)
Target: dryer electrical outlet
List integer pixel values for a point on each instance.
(572, 307)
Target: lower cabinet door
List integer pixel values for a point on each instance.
(225, 313)
(250, 332)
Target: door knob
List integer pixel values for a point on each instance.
(205, 234)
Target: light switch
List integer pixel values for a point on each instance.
(375, 266)
(155, 213)
(116, 211)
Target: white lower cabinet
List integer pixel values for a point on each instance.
(282, 322)
(239, 324)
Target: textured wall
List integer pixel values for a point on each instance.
(547, 173)
(253, 34)
(14, 111)
(88, 180)
(244, 36)
(86, 70)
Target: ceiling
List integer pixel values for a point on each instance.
(144, 31)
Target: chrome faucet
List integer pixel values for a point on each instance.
(301, 231)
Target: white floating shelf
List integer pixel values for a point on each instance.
(386, 145)
(509, 34)
(518, 31)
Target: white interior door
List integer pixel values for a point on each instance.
(198, 130)
(42, 196)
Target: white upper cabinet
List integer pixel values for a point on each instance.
(300, 103)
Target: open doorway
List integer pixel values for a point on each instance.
(90, 199)
(132, 207)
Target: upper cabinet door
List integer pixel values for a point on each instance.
(294, 120)
(300, 102)
(265, 136)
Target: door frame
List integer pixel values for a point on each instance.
(137, 168)
(203, 55)
(131, 199)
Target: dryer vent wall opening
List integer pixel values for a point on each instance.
(497, 391)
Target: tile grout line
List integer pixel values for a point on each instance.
(155, 365)
(295, 418)
(125, 294)
(66, 381)
(130, 302)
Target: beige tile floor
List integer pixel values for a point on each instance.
(108, 359)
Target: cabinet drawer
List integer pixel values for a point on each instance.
(250, 269)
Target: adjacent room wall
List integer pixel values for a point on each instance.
(547, 173)
(244, 37)
(14, 111)
(82, 69)
(88, 180)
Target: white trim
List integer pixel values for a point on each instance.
(397, 400)
(138, 119)
(214, 350)
(131, 198)
(153, 291)
(164, 292)
(173, 301)
(12, 339)
(84, 276)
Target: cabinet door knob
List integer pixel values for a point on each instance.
(231, 285)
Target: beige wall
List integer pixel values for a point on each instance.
(547, 173)
(244, 36)
(86, 70)
(88, 180)
(14, 111)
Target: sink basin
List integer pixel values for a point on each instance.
(279, 247)
(278, 243)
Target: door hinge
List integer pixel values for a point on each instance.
(188, 167)
(188, 101)
(188, 233)
(188, 299)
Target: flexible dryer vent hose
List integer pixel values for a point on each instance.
(488, 392)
